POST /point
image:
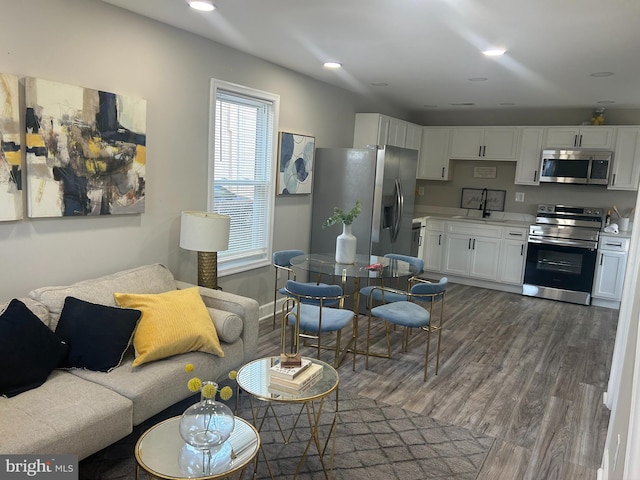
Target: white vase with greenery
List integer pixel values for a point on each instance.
(346, 242)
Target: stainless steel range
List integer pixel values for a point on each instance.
(562, 252)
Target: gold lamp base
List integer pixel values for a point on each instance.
(208, 270)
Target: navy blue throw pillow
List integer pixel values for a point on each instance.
(29, 350)
(97, 335)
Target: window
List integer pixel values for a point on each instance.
(241, 171)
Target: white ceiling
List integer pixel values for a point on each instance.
(427, 50)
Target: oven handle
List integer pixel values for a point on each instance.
(564, 242)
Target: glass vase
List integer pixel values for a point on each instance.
(207, 423)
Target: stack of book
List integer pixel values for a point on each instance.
(295, 379)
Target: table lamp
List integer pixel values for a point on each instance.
(206, 233)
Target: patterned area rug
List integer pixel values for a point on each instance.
(372, 440)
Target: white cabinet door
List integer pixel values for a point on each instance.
(492, 143)
(397, 134)
(414, 137)
(582, 137)
(484, 258)
(528, 166)
(433, 249)
(433, 163)
(466, 143)
(512, 261)
(457, 254)
(609, 278)
(500, 143)
(626, 161)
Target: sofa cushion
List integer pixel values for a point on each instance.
(29, 351)
(228, 325)
(171, 323)
(97, 335)
(146, 279)
(66, 415)
(154, 386)
(36, 307)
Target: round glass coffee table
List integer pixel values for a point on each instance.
(162, 453)
(253, 378)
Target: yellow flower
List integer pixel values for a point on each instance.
(232, 375)
(188, 367)
(226, 393)
(194, 385)
(210, 390)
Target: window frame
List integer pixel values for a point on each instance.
(244, 262)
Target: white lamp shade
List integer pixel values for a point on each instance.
(204, 231)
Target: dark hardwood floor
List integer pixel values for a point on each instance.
(529, 372)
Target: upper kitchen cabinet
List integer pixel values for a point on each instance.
(490, 143)
(580, 137)
(414, 136)
(626, 160)
(528, 166)
(433, 162)
(378, 129)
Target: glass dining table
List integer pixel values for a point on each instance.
(370, 267)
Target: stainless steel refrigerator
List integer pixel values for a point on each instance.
(384, 178)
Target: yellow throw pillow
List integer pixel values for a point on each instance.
(171, 323)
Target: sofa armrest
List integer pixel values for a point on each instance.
(246, 308)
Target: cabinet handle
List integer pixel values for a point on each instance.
(575, 141)
(580, 143)
(480, 151)
(614, 180)
(601, 258)
(535, 175)
(469, 247)
(440, 239)
(442, 172)
(474, 244)
(515, 234)
(609, 244)
(484, 150)
(522, 250)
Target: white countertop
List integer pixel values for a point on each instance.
(474, 216)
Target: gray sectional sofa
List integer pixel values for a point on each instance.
(80, 411)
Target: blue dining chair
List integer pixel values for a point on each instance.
(311, 315)
(388, 295)
(410, 314)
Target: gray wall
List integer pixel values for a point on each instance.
(94, 44)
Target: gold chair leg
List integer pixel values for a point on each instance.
(426, 359)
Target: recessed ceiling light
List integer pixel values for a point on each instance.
(605, 102)
(478, 79)
(379, 84)
(202, 5)
(601, 74)
(332, 64)
(494, 52)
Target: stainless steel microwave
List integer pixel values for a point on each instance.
(591, 167)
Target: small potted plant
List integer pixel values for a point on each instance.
(346, 241)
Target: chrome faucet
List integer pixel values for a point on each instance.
(483, 203)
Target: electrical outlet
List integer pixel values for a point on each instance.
(519, 196)
(420, 191)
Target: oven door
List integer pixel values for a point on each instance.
(559, 272)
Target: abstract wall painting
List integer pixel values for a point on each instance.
(10, 156)
(295, 165)
(85, 151)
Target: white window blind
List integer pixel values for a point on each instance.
(242, 173)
